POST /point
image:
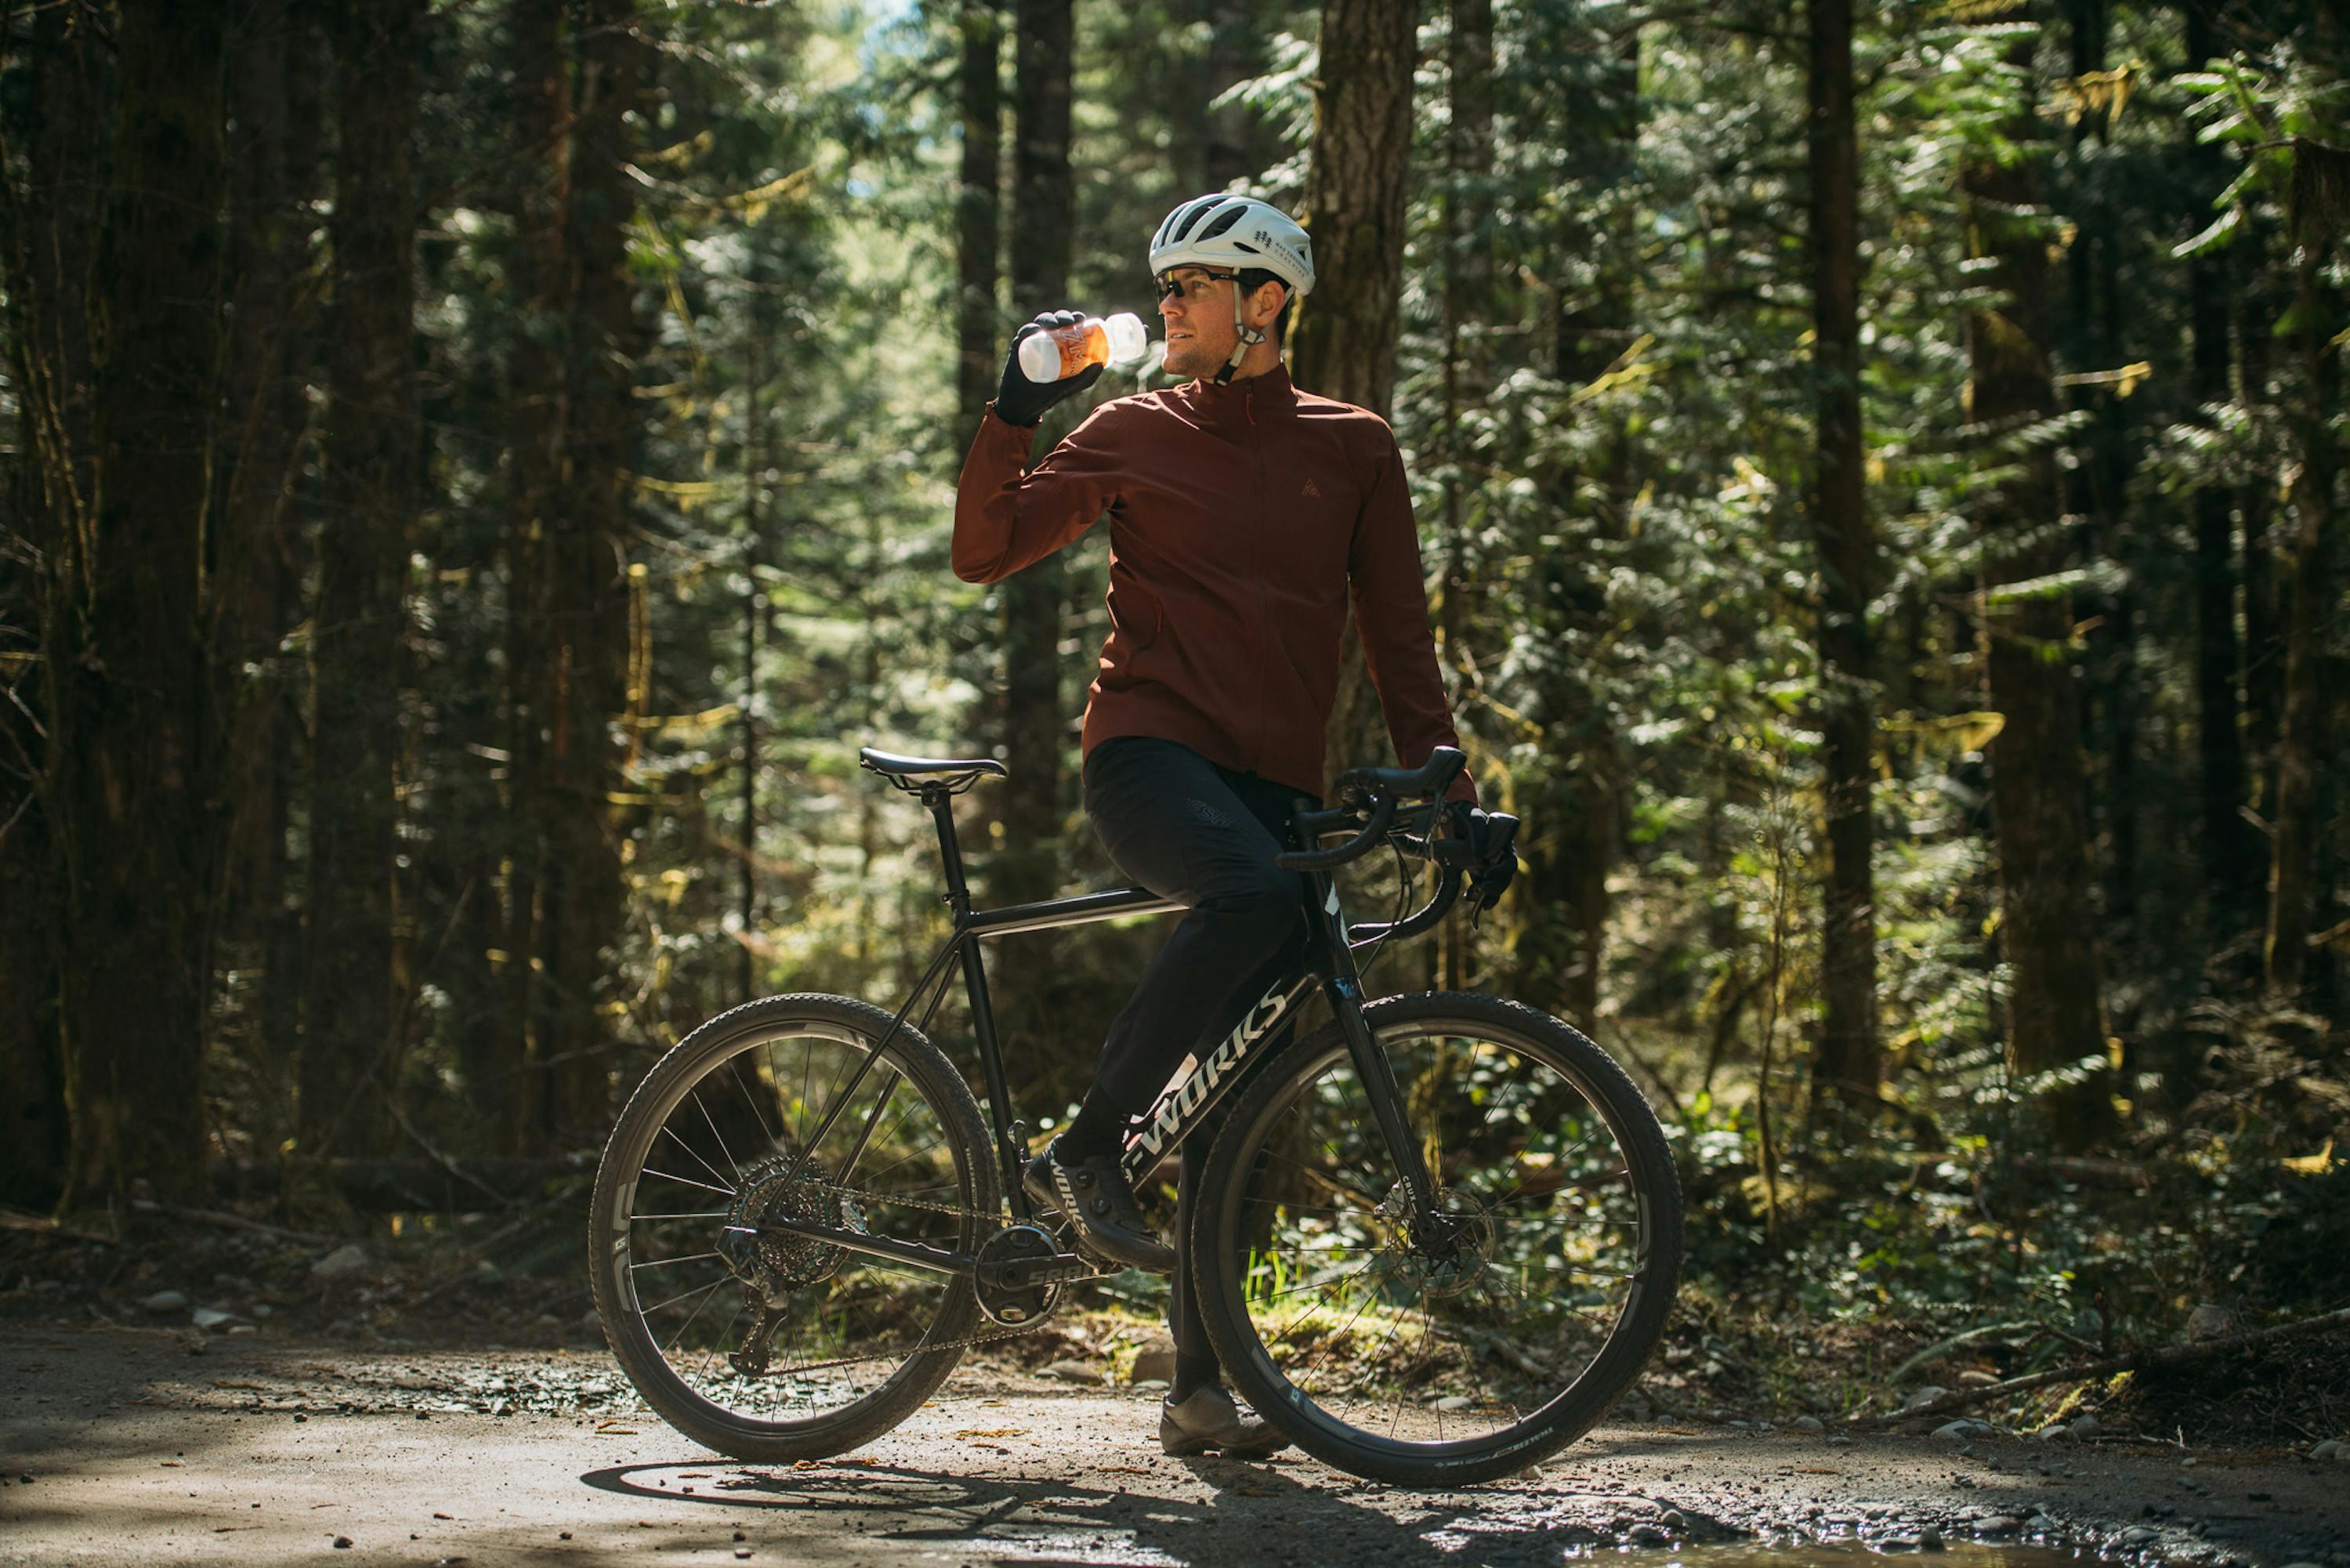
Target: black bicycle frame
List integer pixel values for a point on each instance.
(1180, 1109)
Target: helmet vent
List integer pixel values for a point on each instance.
(1224, 221)
(1199, 209)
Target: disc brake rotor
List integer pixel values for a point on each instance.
(1447, 1254)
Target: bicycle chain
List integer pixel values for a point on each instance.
(966, 1342)
(857, 1195)
(860, 1196)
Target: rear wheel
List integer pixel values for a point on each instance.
(771, 1348)
(1462, 1349)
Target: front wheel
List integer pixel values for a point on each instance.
(1456, 1348)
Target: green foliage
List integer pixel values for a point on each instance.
(1611, 450)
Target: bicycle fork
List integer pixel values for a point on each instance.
(1342, 986)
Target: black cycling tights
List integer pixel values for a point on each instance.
(1204, 836)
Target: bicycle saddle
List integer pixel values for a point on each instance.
(896, 766)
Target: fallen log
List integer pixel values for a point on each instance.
(413, 1185)
(2136, 1361)
(229, 1222)
(43, 1225)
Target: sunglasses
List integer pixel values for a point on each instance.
(1167, 282)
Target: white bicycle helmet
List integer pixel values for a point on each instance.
(1227, 232)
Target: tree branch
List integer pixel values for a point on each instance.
(2137, 1361)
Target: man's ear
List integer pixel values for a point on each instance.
(1280, 298)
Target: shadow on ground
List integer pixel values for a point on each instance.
(1231, 1512)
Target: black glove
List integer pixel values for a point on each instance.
(1481, 844)
(1021, 402)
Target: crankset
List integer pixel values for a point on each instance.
(1020, 1275)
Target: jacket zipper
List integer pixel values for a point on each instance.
(1263, 618)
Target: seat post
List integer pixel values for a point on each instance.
(941, 805)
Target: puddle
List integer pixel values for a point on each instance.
(1754, 1554)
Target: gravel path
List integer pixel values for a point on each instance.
(136, 1446)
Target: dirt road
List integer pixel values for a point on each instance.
(122, 1445)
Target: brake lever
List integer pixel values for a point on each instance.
(1411, 831)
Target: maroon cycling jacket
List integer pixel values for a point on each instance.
(1239, 516)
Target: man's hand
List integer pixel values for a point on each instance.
(1481, 843)
(1021, 402)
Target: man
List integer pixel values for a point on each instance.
(1242, 511)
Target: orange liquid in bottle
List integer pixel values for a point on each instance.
(1065, 351)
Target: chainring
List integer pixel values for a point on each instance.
(1007, 1292)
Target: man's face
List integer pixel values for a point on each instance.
(1198, 311)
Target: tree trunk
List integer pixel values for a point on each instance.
(1219, 44)
(1574, 807)
(2056, 1012)
(255, 550)
(127, 789)
(2231, 850)
(757, 634)
(1468, 297)
(45, 247)
(2089, 336)
(1233, 152)
(349, 1054)
(542, 201)
(1850, 1060)
(283, 894)
(2302, 746)
(569, 596)
(1467, 310)
(1344, 335)
(1044, 206)
(584, 903)
(2263, 656)
(977, 200)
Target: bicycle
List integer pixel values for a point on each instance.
(1441, 1293)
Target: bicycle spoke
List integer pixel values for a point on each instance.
(679, 1337)
(724, 1153)
(735, 1071)
(671, 1262)
(689, 1182)
(719, 1343)
(705, 1165)
(673, 1301)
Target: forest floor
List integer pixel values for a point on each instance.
(257, 1395)
(143, 1444)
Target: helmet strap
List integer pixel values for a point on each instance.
(1246, 337)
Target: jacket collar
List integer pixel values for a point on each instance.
(1271, 394)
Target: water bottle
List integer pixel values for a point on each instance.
(1060, 353)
